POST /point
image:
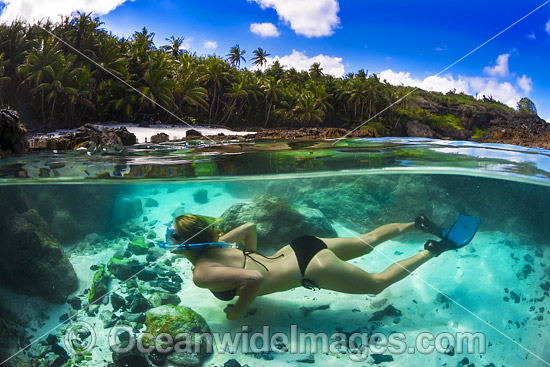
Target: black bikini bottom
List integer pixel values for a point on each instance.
(305, 248)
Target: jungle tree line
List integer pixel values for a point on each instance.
(61, 88)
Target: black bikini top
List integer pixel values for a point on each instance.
(230, 294)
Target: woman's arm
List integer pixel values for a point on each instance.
(221, 278)
(246, 233)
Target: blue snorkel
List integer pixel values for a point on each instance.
(173, 241)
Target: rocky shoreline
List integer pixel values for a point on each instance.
(498, 127)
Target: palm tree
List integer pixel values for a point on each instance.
(158, 84)
(174, 48)
(272, 92)
(235, 56)
(34, 69)
(215, 76)
(307, 110)
(3, 79)
(188, 92)
(316, 71)
(260, 57)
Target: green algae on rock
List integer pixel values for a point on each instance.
(186, 327)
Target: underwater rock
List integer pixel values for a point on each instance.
(117, 301)
(381, 358)
(132, 359)
(151, 203)
(100, 285)
(277, 222)
(138, 246)
(174, 320)
(75, 303)
(200, 196)
(308, 310)
(31, 261)
(161, 299)
(310, 359)
(156, 358)
(123, 269)
(147, 275)
(13, 134)
(131, 208)
(232, 363)
(74, 211)
(139, 304)
(389, 311)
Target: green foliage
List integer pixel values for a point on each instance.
(63, 89)
(478, 133)
(526, 106)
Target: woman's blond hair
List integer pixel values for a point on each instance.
(194, 228)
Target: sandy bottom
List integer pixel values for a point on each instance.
(478, 277)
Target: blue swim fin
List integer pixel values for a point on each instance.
(459, 235)
(463, 231)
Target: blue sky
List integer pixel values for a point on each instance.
(404, 42)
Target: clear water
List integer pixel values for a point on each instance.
(96, 203)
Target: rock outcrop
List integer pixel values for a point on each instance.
(185, 323)
(91, 137)
(13, 135)
(31, 261)
(277, 222)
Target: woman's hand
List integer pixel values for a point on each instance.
(231, 313)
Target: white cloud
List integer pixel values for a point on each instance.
(310, 18)
(299, 61)
(548, 26)
(504, 92)
(431, 83)
(264, 30)
(526, 84)
(501, 68)
(33, 11)
(210, 45)
(532, 36)
(186, 44)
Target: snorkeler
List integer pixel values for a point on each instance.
(308, 261)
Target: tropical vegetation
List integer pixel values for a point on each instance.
(74, 71)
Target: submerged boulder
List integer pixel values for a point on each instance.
(184, 325)
(277, 222)
(31, 261)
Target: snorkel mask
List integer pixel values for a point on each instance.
(174, 241)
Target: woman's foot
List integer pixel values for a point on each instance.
(425, 225)
(438, 247)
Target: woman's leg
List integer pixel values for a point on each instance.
(330, 272)
(350, 248)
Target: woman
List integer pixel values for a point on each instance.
(308, 261)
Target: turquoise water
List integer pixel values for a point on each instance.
(105, 210)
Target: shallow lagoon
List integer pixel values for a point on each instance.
(498, 285)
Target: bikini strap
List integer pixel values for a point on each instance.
(248, 252)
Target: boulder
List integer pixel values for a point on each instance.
(175, 320)
(31, 261)
(419, 130)
(192, 133)
(277, 222)
(100, 285)
(93, 137)
(13, 135)
(160, 138)
(201, 196)
(73, 211)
